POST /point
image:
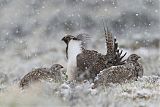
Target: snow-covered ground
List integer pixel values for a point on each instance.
(141, 93)
(30, 37)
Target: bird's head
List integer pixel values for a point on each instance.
(67, 38)
(133, 57)
(56, 67)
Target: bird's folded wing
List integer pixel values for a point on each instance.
(116, 74)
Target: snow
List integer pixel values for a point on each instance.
(30, 37)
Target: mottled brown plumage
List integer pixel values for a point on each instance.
(131, 70)
(109, 44)
(90, 62)
(47, 74)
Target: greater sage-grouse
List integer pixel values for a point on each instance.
(79, 59)
(86, 64)
(131, 70)
(48, 74)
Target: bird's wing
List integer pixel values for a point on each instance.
(86, 58)
(86, 62)
(116, 74)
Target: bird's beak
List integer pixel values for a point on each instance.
(63, 39)
(138, 57)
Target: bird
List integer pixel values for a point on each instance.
(86, 64)
(47, 74)
(79, 58)
(131, 70)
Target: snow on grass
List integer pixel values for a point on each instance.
(144, 92)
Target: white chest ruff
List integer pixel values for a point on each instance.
(74, 48)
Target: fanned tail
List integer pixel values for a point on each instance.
(118, 54)
(114, 55)
(109, 43)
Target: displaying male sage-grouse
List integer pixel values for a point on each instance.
(86, 64)
(47, 74)
(131, 70)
